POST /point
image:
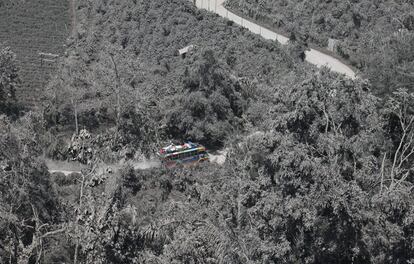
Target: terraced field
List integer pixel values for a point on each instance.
(30, 27)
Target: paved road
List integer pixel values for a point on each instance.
(313, 56)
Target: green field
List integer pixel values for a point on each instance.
(29, 27)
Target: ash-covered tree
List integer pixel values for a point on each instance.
(329, 191)
(298, 44)
(375, 37)
(391, 68)
(210, 106)
(29, 207)
(9, 81)
(399, 116)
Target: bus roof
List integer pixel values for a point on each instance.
(175, 149)
(185, 151)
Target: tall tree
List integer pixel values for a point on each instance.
(9, 81)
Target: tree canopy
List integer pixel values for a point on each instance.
(375, 37)
(9, 81)
(319, 169)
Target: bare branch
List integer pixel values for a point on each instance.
(382, 172)
(54, 232)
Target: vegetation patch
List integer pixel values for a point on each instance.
(318, 169)
(376, 37)
(33, 27)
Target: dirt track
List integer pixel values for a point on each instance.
(72, 167)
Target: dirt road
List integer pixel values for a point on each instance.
(67, 168)
(75, 167)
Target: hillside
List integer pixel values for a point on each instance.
(31, 27)
(318, 168)
(376, 37)
(126, 60)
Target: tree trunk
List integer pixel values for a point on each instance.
(75, 110)
(117, 91)
(75, 257)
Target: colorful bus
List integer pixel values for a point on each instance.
(183, 155)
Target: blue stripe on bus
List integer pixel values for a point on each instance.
(184, 151)
(192, 159)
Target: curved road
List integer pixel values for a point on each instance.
(312, 56)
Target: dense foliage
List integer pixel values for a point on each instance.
(328, 180)
(29, 207)
(123, 69)
(375, 36)
(211, 105)
(319, 170)
(9, 81)
(30, 28)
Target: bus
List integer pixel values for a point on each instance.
(183, 155)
